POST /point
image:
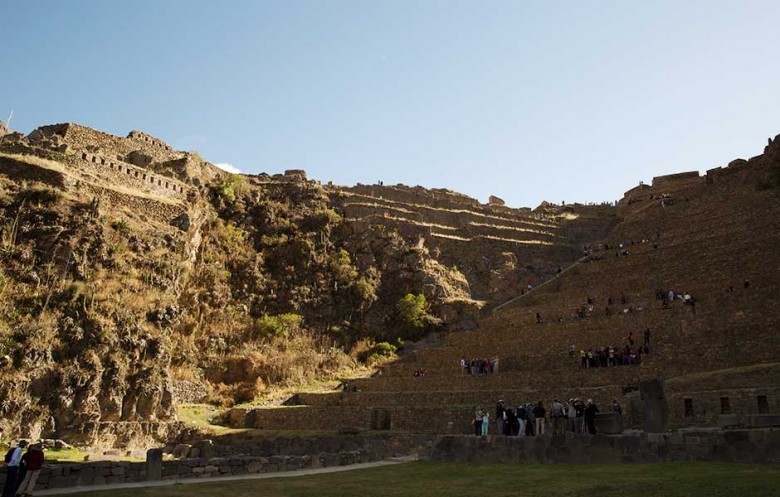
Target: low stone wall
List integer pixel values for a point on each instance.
(112, 472)
(422, 419)
(376, 445)
(242, 456)
(734, 446)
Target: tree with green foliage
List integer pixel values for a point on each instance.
(412, 309)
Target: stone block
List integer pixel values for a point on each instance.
(610, 423)
(655, 408)
(764, 420)
(182, 451)
(692, 440)
(58, 482)
(154, 464)
(86, 476)
(729, 420)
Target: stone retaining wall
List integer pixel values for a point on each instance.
(123, 174)
(733, 446)
(422, 419)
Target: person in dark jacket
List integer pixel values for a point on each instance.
(590, 416)
(539, 415)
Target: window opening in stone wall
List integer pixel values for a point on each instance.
(159, 182)
(688, 408)
(166, 184)
(763, 405)
(725, 405)
(94, 159)
(84, 156)
(103, 162)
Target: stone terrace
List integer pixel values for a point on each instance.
(705, 235)
(485, 242)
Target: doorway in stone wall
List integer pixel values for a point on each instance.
(380, 419)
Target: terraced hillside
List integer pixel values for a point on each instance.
(714, 237)
(500, 250)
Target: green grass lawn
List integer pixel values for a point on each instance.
(425, 479)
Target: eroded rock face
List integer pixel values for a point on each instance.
(138, 158)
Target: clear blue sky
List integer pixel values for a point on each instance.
(529, 101)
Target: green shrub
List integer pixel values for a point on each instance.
(378, 351)
(230, 188)
(270, 328)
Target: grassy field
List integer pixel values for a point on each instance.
(424, 479)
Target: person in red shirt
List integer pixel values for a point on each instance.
(34, 460)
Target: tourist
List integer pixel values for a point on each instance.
(616, 407)
(558, 416)
(529, 416)
(521, 416)
(500, 417)
(478, 421)
(511, 423)
(485, 423)
(539, 415)
(571, 416)
(572, 351)
(12, 460)
(647, 336)
(579, 408)
(630, 338)
(590, 416)
(33, 460)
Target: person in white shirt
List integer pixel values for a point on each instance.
(12, 459)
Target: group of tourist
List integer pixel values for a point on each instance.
(528, 420)
(609, 356)
(604, 357)
(22, 469)
(479, 366)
